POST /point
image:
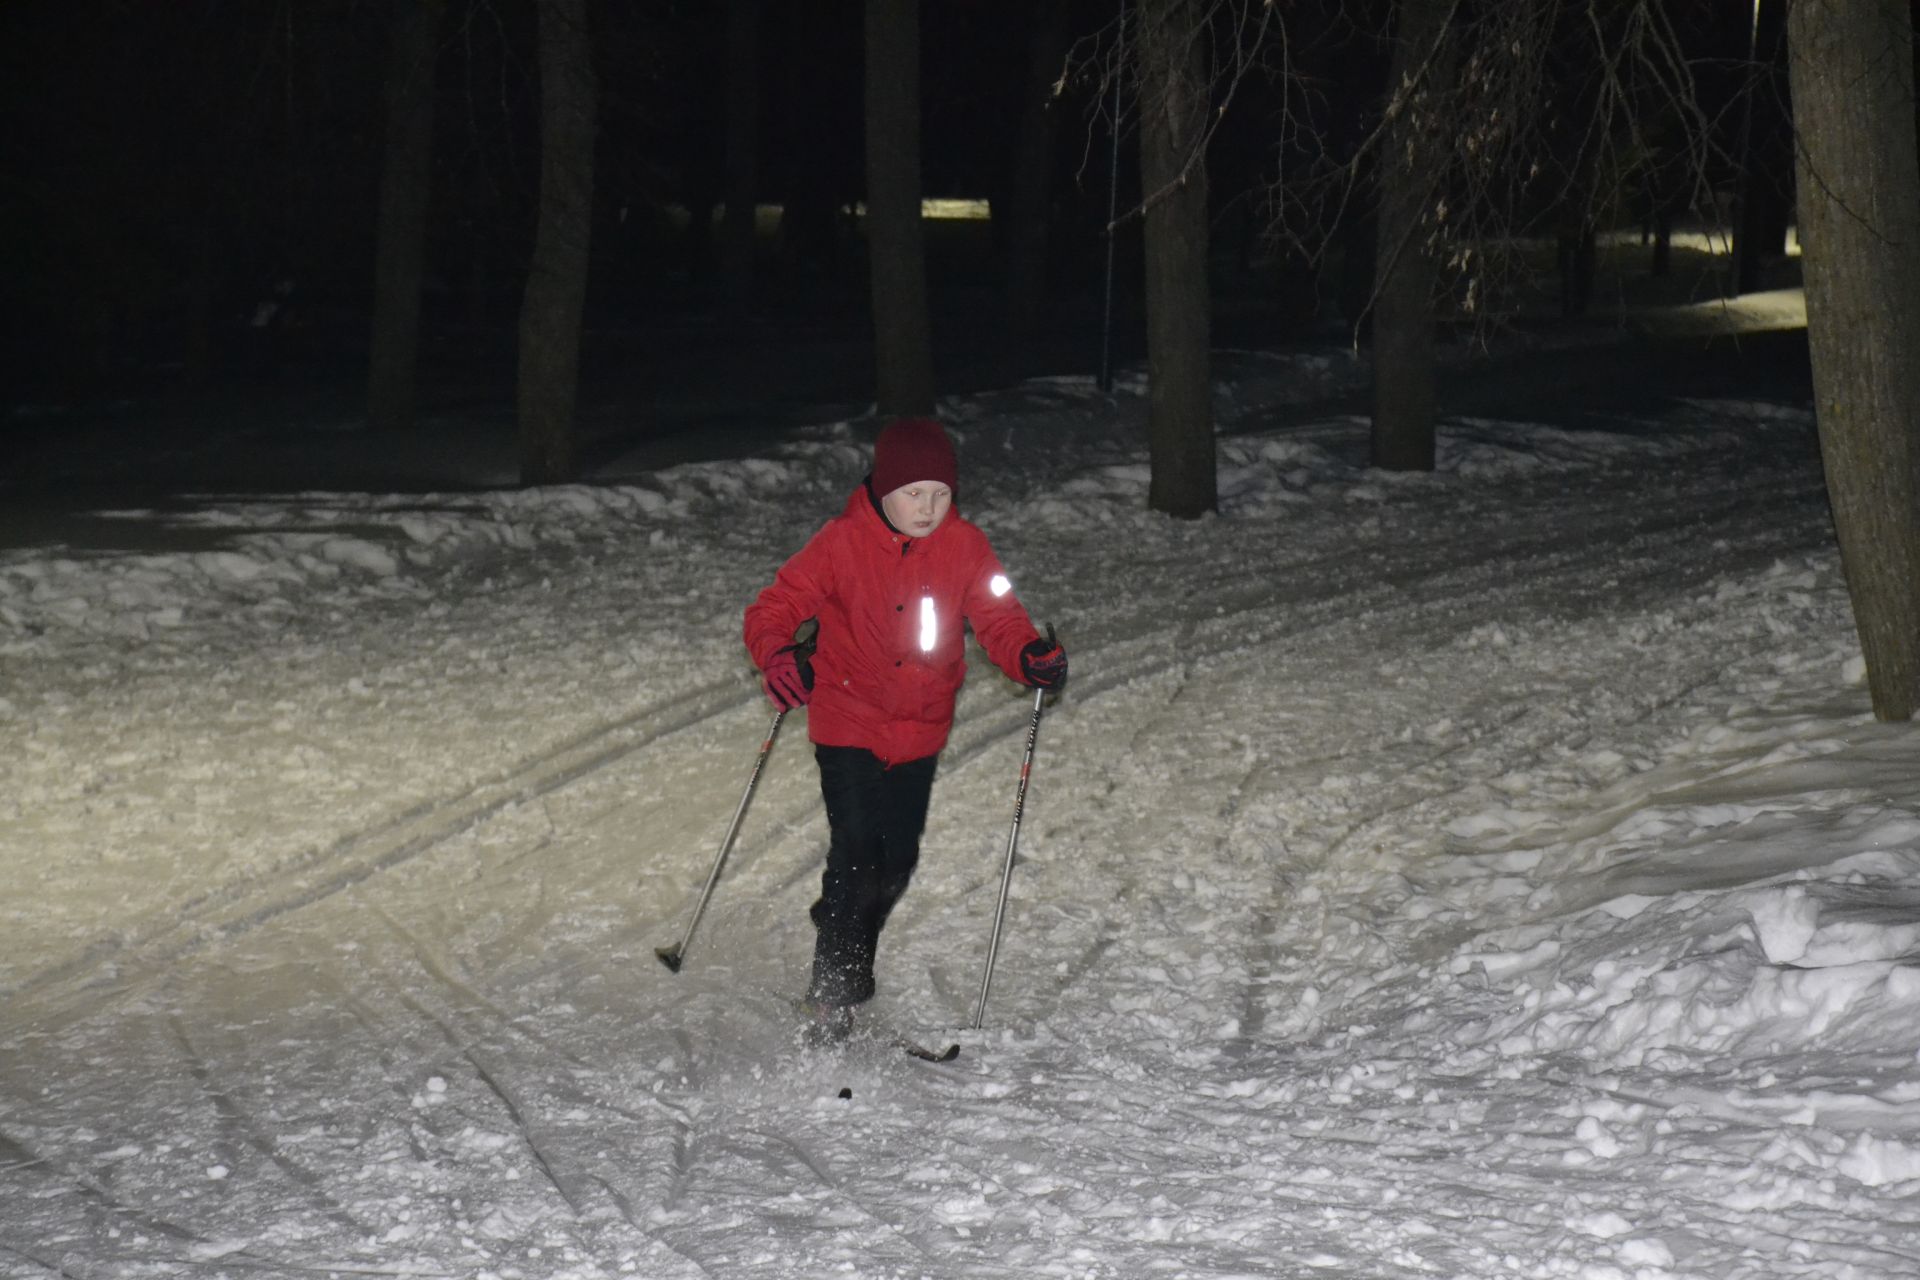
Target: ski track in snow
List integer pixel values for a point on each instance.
(1490, 873)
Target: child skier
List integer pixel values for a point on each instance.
(891, 580)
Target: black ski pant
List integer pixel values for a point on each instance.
(875, 814)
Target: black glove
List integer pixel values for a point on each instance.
(1044, 663)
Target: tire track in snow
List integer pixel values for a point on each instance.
(236, 1119)
(96, 1197)
(625, 1204)
(535, 1146)
(1407, 796)
(463, 1045)
(51, 1268)
(776, 1142)
(236, 908)
(466, 994)
(552, 1156)
(1520, 743)
(517, 1119)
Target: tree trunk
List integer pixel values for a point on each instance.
(1404, 275)
(1353, 287)
(896, 242)
(1766, 152)
(1859, 187)
(1030, 191)
(406, 186)
(1577, 249)
(737, 228)
(1174, 113)
(550, 312)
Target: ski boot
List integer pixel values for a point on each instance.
(823, 1024)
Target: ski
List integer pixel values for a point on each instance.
(914, 1049)
(817, 1032)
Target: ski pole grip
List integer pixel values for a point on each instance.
(804, 637)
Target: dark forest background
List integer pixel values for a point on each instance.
(189, 191)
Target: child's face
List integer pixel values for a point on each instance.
(917, 509)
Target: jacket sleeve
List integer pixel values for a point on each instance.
(998, 619)
(796, 593)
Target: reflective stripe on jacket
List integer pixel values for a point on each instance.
(891, 649)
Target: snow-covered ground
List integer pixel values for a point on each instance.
(1485, 874)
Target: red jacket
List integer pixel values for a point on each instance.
(891, 651)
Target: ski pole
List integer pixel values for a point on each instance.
(673, 956)
(1006, 875)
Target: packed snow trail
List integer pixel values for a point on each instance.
(1491, 873)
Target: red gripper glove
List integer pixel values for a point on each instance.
(787, 679)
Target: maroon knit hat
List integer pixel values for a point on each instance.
(913, 449)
